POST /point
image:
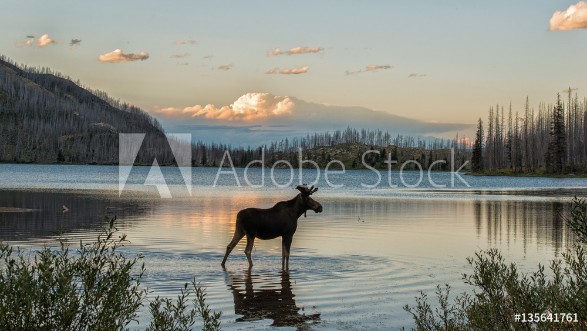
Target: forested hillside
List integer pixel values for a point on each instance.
(47, 118)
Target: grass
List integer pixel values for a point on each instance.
(95, 288)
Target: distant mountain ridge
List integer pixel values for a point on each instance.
(47, 118)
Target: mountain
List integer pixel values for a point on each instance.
(257, 118)
(47, 118)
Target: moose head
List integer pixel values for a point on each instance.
(307, 201)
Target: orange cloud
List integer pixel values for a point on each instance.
(44, 40)
(117, 56)
(41, 42)
(293, 71)
(295, 50)
(249, 107)
(225, 67)
(574, 17)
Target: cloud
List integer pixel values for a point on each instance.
(257, 118)
(249, 107)
(370, 68)
(75, 42)
(415, 75)
(44, 40)
(293, 71)
(376, 67)
(295, 51)
(180, 55)
(274, 52)
(117, 56)
(41, 42)
(574, 17)
(225, 67)
(184, 42)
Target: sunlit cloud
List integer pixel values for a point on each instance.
(117, 56)
(180, 55)
(293, 71)
(574, 17)
(41, 42)
(44, 40)
(370, 68)
(225, 67)
(184, 42)
(416, 75)
(295, 51)
(249, 107)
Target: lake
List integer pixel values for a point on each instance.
(353, 267)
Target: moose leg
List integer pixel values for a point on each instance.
(249, 249)
(238, 235)
(286, 244)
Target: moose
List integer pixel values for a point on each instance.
(280, 220)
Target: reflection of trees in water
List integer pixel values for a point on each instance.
(47, 218)
(528, 221)
(277, 303)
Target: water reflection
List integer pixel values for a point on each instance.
(526, 221)
(42, 214)
(273, 299)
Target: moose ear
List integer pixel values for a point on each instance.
(302, 188)
(313, 190)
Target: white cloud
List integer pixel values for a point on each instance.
(293, 71)
(574, 17)
(295, 51)
(249, 107)
(117, 56)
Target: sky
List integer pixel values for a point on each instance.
(261, 69)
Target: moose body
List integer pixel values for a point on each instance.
(280, 220)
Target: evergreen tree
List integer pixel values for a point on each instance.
(556, 154)
(477, 157)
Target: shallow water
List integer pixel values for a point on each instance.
(354, 266)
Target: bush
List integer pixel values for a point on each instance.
(500, 291)
(98, 288)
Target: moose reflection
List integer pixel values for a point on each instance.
(275, 303)
(280, 220)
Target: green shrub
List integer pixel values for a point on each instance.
(98, 288)
(178, 316)
(500, 291)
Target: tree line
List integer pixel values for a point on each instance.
(550, 139)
